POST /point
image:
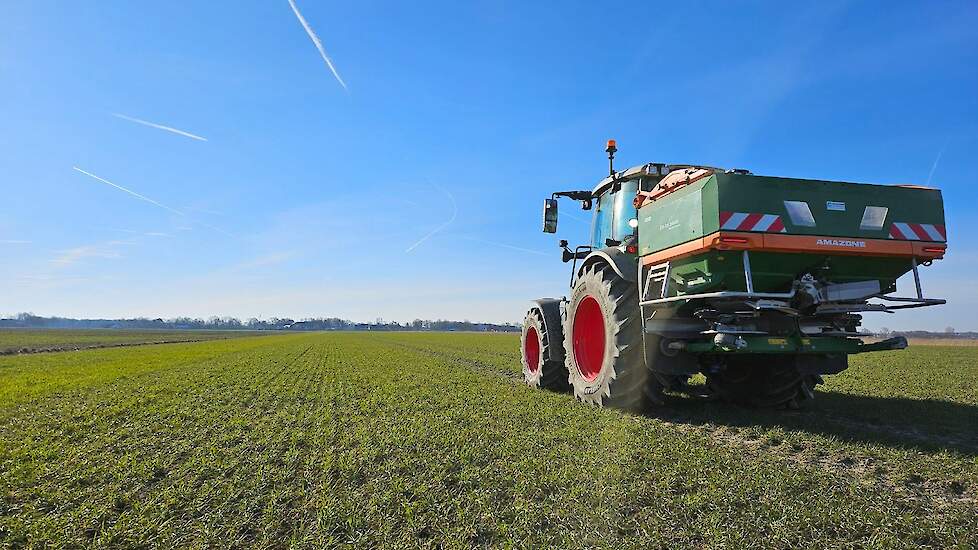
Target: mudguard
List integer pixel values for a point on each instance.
(550, 308)
(625, 265)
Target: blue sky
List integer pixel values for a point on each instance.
(308, 199)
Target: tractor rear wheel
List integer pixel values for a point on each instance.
(763, 381)
(603, 342)
(535, 343)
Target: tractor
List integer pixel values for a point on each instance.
(757, 283)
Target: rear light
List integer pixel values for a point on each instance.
(631, 249)
(734, 240)
(934, 249)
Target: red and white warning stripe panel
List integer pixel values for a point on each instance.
(749, 221)
(918, 232)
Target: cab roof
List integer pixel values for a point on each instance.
(651, 169)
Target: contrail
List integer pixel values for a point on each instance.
(133, 193)
(159, 126)
(317, 42)
(576, 218)
(509, 246)
(933, 167)
(440, 227)
(218, 229)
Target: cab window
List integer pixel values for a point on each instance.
(624, 209)
(604, 209)
(612, 212)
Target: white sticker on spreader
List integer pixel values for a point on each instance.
(835, 205)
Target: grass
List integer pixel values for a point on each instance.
(43, 340)
(410, 440)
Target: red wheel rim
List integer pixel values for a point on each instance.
(531, 349)
(589, 338)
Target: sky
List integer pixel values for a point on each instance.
(164, 159)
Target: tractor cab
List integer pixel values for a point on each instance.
(619, 195)
(614, 213)
(614, 225)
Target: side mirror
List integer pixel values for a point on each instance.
(550, 216)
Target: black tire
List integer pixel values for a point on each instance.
(770, 381)
(539, 372)
(616, 376)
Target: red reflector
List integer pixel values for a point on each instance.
(934, 249)
(737, 240)
(631, 249)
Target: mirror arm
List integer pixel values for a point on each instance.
(573, 195)
(583, 196)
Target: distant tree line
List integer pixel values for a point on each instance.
(948, 332)
(29, 320)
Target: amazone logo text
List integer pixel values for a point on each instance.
(834, 242)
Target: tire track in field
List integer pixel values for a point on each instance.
(468, 361)
(866, 469)
(960, 440)
(854, 468)
(260, 398)
(896, 432)
(315, 476)
(274, 447)
(69, 347)
(336, 389)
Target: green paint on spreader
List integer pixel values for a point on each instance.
(837, 209)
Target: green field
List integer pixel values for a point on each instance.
(410, 440)
(43, 340)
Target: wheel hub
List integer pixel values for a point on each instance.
(531, 349)
(589, 338)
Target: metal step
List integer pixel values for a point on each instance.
(656, 282)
